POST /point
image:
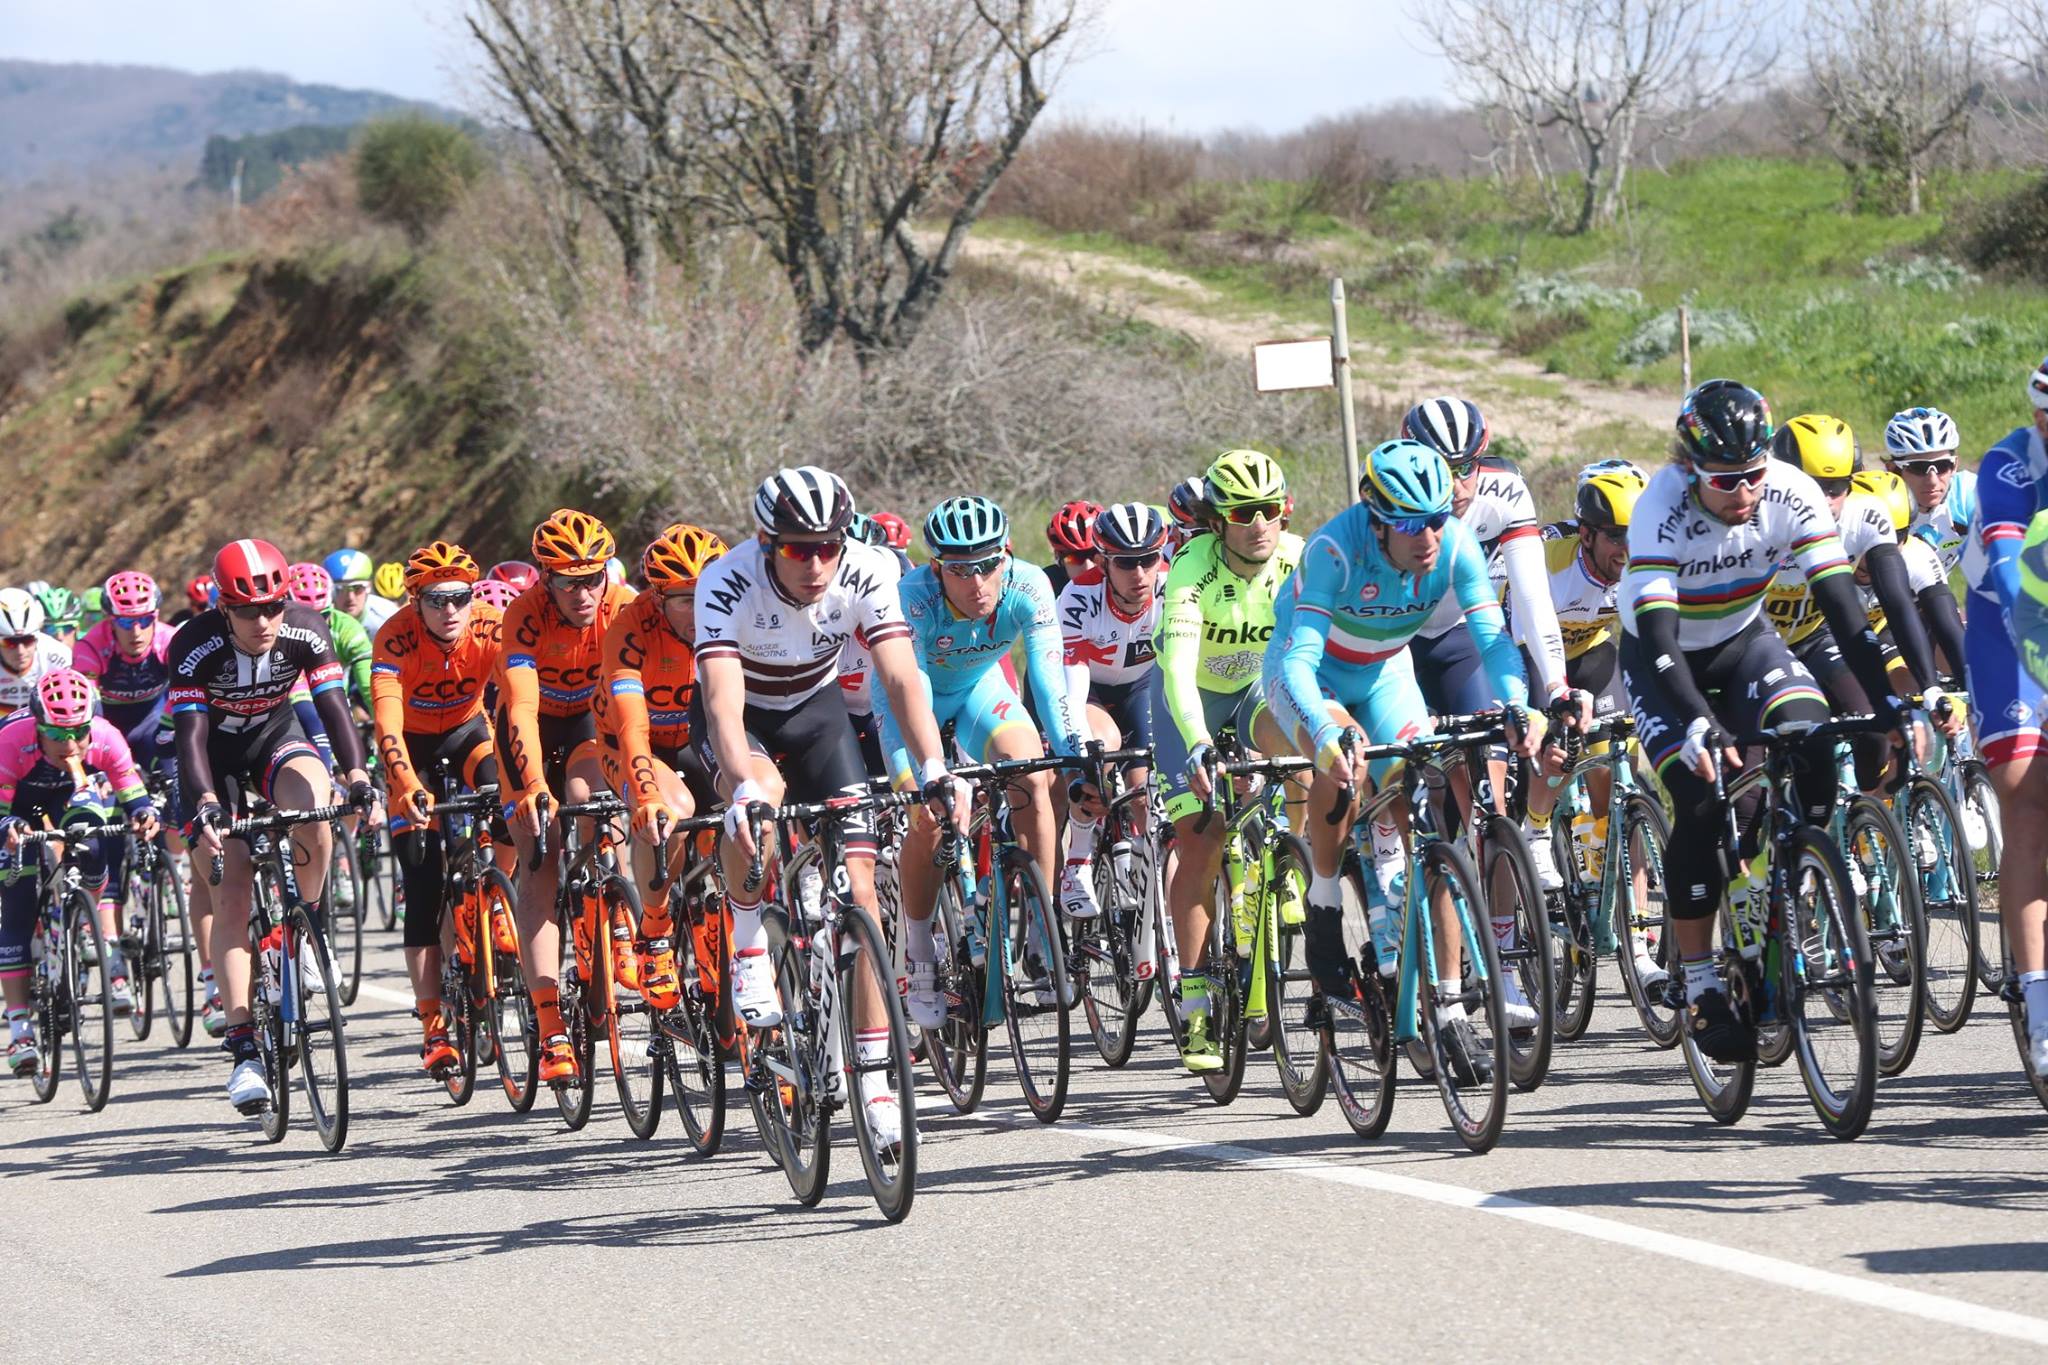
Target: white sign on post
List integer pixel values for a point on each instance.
(1280, 366)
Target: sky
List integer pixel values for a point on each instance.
(1189, 65)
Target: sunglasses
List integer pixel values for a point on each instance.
(134, 622)
(64, 732)
(802, 551)
(1923, 468)
(453, 600)
(1253, 512)
(1464, 471)
(972, 568)
(1135, 561)
(256, 611)
(352, 587)
(685, 596)
(581, 582)
(19, 641)
(1617, 534)
(1729, 481)
(1833, 488)
(1415, 526)
(1077, 560)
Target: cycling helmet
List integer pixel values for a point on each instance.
(496, 591)
(615, 570)
(1404, 479)
(62, 606)
(1453, 427)
(1920, 432)
(1241, 477)
(20, 613)
(571, 542)
(389, 581)
(1129, 528)
(1823, 446)
(520, 574)
(37, 588)
(1188, 502)
(199, 592)
(439, 561)
(348, 566)
(1072, 529)
(1723, 422)
(93, 605)
(803, 501)
(1610, 467)
(966, 525)
(250, 571)
(310, 586)
(132, 594)
(861, 527)
(895, 530)
(2037, 387)
(1889, 489)
(679, 555)
(1609, 497)
(65, 698)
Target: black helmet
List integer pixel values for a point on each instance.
(1723, 422)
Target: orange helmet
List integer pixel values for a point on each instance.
(439, 562)
(678, 555)
(572, 542)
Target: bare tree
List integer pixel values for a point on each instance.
(1897, 80)
(828, 128)
(576, 75)
(2023, 98)
(1570, 85)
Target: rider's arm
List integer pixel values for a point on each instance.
(1647, 606)
(2004, 507)
(1293, 658)
(623, 682)
(1535, 613)
(321, 671)
(387, 706)
(1944, 619)
(1074, 646)
(1893, 587)
(1179, 642)
(1497, 650)
(1058, 707)
(109, 753)
(1817, 548)
(519, 699)
(903, 689)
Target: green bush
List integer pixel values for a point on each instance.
(2011, 234)
(411, 171)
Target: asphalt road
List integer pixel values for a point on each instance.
(1614, 1221)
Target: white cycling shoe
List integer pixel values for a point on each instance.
(753, 989)
(1515, 1010)
(922, 1003)
(248, 1090)
(1077, 896)
(1548, 878)
(884, 1115)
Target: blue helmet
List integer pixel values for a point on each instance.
(1404, 479)
(964, 525)
(348, 566)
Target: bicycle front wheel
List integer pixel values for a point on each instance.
(1103, 965)
(92, 1006)
(1228, 973)
(1887, 893)
(48, 1008)
(694, 1056)
(1297, 1026)
(573, 1096)
(510, 1028)
(345, 895)
(1938, 845)
(323, 1045)
(636, 1045)
(1984, 836)
(1825, 970)
(958, 1049)
(1574, 959)
(1521, 935)
(175, 943)
(1645, 951)
(1358, 1034)
(145, 959)
(875, 1053)
(1036, 991)
(459, 1013)
(1474, 1085)
(796, 1087)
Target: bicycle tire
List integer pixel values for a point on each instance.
(273, 1049)
(696, 1060)
(1645, 832)
(957, 1051)
(145, 962)
(323, 1035)
(1980, 797)
(1446, 864)
(345, 924)
(1299, 1054)
(891, 1170)
(508, 1018)
(1894, 926)
(2016, 1012)
(1358, 1035)
(47, 1007)
(1037, 1018)
(1226, 972)
(573, 1098)
(1844, 1110)
(1105, 963)
(459, 1014)
(1506, 867)
(799, 1112)
(92, 1006)
(631, 1034)
(174, 927)
(1948, 899)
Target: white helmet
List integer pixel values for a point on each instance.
(1919, 432)
(20, 614)
(1610, 467)
(805, 500)
(2037, 387)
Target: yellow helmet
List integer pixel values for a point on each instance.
(389, 581)
(1823, 446)
(1609, 497)
(1240, 477)
(1889, 489)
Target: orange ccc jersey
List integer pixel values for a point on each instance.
(548, 667)
(648, 677)
(420, 686)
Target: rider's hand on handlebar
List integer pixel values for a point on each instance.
(1333, 756)
(1526, 728)
(949, 799)
(417, 805)
(144, 824)
(738, 827)
(651, 820)
(1947, 713)
(207, 822)
(1200, 759)
(523, 811)
(1705, 746)
(12, 828)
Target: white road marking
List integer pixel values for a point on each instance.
(1769, 1269)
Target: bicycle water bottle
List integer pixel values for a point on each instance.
(1240, 922)
(1120, 862)
(271, 959)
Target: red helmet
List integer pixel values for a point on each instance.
(517, 572)
(1072, 529)
(250, 571)
(895, 530)
(199, 592)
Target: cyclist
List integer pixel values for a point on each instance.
(1697, 653)
(198, 597)
(49, 757)
(1216, 615)
(520, 574)
(648, 679)
(93, 607)
(895, 533)
(1339, 661)
(311, 587)
(967, 608)
(350, 571)
(433, 658)
(1071, 534)
(1190, 515)
(27, 655)
(62, 609)
(2006, 702)
(547, 738)
(1939, 611)
(1920, 446)
(773, 615)
(1106, 635)
(232, 672)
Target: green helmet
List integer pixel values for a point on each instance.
(62, 606)
(95, 605)
(1241, 477)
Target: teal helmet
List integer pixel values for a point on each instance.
(965, 525)
(1404, 479)
(349, 566)
(62, 606)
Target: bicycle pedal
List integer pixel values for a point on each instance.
(251, 1108)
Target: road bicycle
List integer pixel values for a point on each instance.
(158, 943)
(70, 994)
(697, 1037)
(1113, 957)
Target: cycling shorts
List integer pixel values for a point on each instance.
(1452, 674)
(466, 753)
(1132, 706)
(2007, 707)
(1598, 673)
(1235, 711)
(1384, 698)
(812, 745)
(246, 762)
(563, 740)
(680, 760)
(977, 713)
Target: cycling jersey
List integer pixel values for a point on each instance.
(19, 689)
(1946, 525)
(352, 647)
(30, 782)
(376, 611)
(1102, 647)
(420, 686)
(237, 691)
(648, 679)
(131, 690)
(1585, 605)
(1864, 525)
(1502, 518)
(1213, 627)
(789, 650)
(2006, 704)
(547, 668)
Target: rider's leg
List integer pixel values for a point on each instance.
(302, 783)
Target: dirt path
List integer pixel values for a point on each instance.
(1551, 415)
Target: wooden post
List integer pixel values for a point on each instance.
(1685, 346)
(1340, 358)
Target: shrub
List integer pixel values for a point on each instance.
(1934, 274)
(2010, 235)
(411, 170)
(1658, 336)
(1551, 295)
(1078, 178)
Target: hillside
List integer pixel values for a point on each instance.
(82, 117)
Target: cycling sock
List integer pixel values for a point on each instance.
(1504, 931)
(17, 1024)
(1699, 977)
(1324, 892)
(241, 1042)
(547, 1011)
(2034, 990)
(918, 944)
(746, 925)
(1080, 839)
(656, 921)
(431, 1020)
(1539, 820)
(1389, 854)
(1450, 1003)
(1193, 991)
(872, 1045)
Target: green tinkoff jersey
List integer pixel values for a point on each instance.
(1214, 626)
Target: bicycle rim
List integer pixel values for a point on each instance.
(1036, 992)
(323, 1043)
(1477, 1108)
(1826, 968)
(1880, 871)
(1574, 964)
(46, 1004)
(1980, 811)
(1948, 895)
(958, 1050)
(1298, 1052)
(458, 1011)
(145, 959)
(1724, 1088)
(1358, 1039)
(175, 936)
(696, 1064)
(1226, 972)
(1514, 899)
(865, 968)
(1103, 966)
(796, 1109)
(2016, 1010)
(630, 1034)
(1642, 915)
(92, 1006)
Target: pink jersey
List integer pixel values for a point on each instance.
(26, 776)
(127, 686)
